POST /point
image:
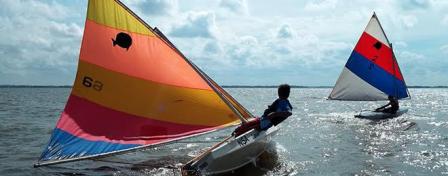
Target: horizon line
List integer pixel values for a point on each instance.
(224, 86)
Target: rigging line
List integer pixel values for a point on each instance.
(399, 70)
(395, 74)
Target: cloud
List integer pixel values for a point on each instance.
(445, 20)
(197, 24)
(155, 7)
(400, 44)
(444, 49)
(318, 5)
(212, 47)
(271, 51)
(285, 31)
(415, 4)
(409, 21)
(66, 30)
(235, 6)
(36, 39)
(408, 56)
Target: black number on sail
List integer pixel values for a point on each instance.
(89, 82)
(373, 61)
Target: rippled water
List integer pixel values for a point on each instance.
(321, 138)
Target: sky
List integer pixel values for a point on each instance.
(236, 42)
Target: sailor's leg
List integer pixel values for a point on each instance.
(253, 124)
(265, 123)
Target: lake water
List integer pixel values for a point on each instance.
(321, 138)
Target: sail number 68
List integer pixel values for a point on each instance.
(90, 82)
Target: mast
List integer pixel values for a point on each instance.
(395, 74)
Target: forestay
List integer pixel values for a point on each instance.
(133, 89)
(371, 72)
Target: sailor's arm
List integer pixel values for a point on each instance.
(383, 106)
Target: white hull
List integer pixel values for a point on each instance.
(234, 153)
(379, 115)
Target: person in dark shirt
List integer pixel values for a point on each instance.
(393, 103)
(276, 113)
(279, 110)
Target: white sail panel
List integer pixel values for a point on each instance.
(375, 30)
(351, 87)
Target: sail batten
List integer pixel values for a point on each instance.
(371, 72)
(132, 90)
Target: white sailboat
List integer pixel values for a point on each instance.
(371, 72)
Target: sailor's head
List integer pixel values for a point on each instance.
(391, 98)
(283, 91)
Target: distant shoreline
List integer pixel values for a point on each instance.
(225, 86)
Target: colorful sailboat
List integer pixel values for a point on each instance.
(134, 89)
(371, 72)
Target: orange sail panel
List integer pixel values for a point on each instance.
(132, 90)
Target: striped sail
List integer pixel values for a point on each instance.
(133, 89)
(371, 72)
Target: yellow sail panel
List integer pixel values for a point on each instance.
(110, 13)
(150, 99)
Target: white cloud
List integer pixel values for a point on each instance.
(212, 47)
(285, 31)
(197, 24)
(408, 56)
(409, 21)
(236, 6)
(400, 44)
(36, 38)
(415, 4)
(444, 49)
(318, 5)
(445, 20)
(66, 30)
(155, 7)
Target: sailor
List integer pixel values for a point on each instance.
(279, 110)
(276, 113)
(394, 106)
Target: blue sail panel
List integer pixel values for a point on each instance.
(376, 76)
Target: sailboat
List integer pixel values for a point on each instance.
(371, 72)
(134, 89)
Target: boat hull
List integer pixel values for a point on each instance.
(379, 115)
(232, 154)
